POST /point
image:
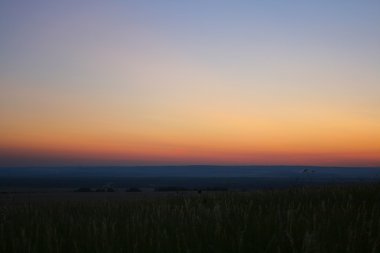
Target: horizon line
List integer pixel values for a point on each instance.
(190, 165)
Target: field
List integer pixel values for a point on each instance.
(314, 219)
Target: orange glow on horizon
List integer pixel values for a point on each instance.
(240, 141)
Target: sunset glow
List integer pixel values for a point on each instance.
(208, 82)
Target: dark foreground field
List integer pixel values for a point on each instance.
(318, 219)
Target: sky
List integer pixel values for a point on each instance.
(189, 82)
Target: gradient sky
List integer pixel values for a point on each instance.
(189, 82)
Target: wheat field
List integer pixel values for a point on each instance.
(318, 219)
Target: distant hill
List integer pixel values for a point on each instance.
(193, 171)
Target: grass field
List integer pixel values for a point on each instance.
(318, 219)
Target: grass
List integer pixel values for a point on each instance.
(325, 219)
